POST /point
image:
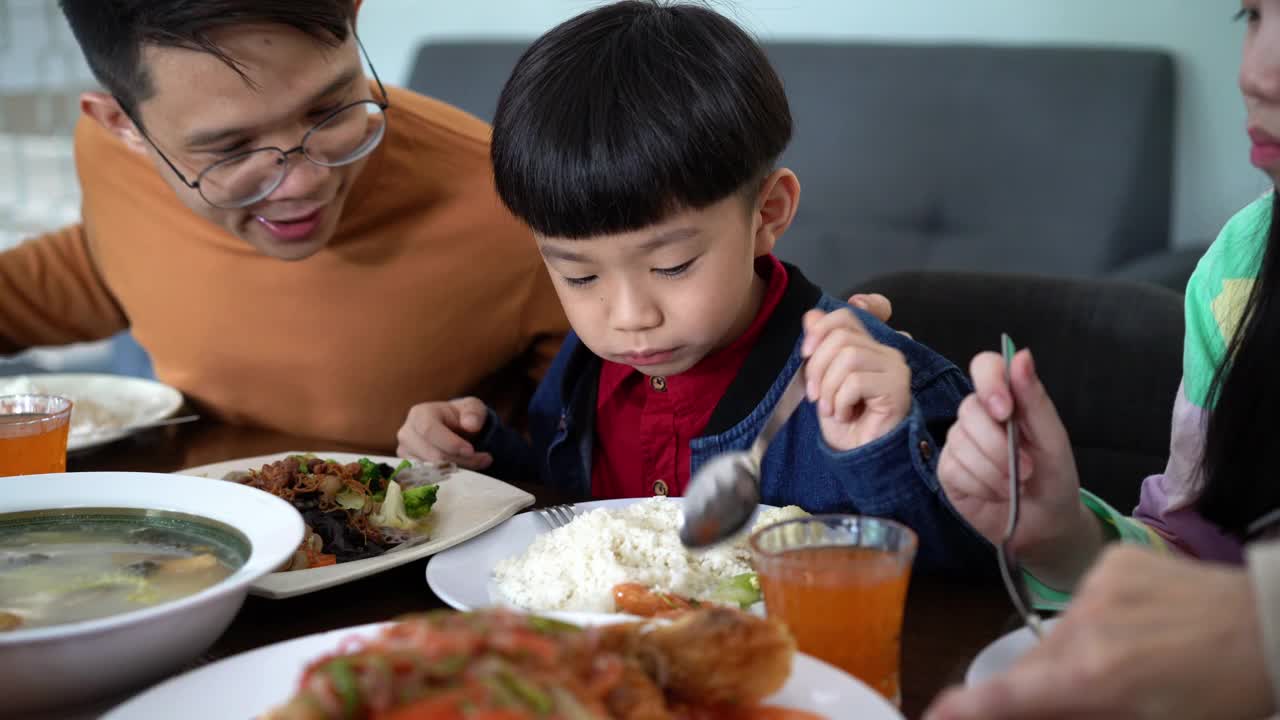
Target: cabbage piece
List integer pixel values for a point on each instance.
(350, 500)
(392, 512)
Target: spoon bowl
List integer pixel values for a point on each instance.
(724, 493)
(723, 501)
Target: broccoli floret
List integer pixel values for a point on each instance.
(418, 501)
(404, 465)
(368, 470)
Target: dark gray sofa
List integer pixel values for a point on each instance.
(948, 157)
(1109, 353)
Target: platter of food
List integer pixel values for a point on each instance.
(365, 514)
(498, 664)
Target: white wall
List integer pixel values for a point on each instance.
(1213, 176)
(37, 49)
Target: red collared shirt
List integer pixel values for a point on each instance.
(644, 424)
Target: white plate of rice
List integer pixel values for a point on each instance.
(102, 405)
(524, 564)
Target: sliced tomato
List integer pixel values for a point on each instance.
(644, 601)
(456, 705)
(446, 706)
(321, 560)
(526, 642)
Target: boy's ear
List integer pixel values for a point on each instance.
(776, 207)
(106, 110)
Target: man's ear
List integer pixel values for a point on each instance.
(776, 207)
(106, 111)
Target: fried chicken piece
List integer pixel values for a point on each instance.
(637, 696)
(719, 655)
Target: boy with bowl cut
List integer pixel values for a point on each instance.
(283, 233)
(639, 141)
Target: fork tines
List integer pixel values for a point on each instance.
(557, 515)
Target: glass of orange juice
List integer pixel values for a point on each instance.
(33, 434)
(839, 582)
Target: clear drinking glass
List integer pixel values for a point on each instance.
(839, 582)
(33, 434)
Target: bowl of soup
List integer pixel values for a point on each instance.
(112, 580)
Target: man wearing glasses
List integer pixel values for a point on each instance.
(297, 246)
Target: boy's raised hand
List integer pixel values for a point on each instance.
(862, 388)
(876, 304)
(438, 431)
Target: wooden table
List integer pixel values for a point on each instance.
(947, 623)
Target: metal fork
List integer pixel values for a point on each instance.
(557, 515)
(1008, 564)
(1263, 525)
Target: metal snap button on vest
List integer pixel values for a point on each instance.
(660, 488)
(659, 383)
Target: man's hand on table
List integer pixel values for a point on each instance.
(1146, 636)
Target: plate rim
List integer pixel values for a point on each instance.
(971, 673)
(174, 399)
(133, 703)
(275, 590)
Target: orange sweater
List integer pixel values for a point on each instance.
(429, 290)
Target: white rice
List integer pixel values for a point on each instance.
(87, 417)
(575, 567)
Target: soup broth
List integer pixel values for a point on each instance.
(60, 567)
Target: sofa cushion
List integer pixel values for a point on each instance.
(963, 157)
(1108, 351)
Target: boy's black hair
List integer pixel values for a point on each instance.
(624, 114)
(113, 33)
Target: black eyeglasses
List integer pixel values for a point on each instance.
(344, 136)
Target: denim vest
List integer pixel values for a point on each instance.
(894, 476)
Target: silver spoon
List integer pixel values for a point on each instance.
(724, 493)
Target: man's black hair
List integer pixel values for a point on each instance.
(113, 33)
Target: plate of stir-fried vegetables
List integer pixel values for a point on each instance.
(501, 665)
(365, 513)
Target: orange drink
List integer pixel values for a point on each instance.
(839, 582)
(33, 434)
